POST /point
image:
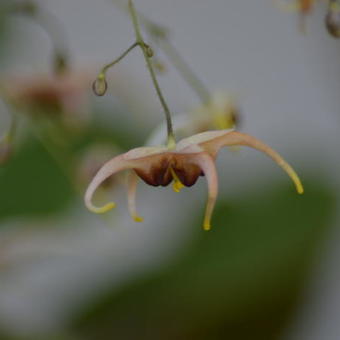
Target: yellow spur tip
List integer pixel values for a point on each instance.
(107, 207)
(207, 227)
(138, 219)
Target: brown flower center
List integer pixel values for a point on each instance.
(160, 172)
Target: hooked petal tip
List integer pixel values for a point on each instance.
(101, 210)
(294, 177)
(207, 226)
(300, 189)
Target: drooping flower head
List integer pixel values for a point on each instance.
(181, 165)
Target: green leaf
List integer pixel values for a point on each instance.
(32, 184)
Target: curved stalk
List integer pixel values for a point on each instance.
(147, 52)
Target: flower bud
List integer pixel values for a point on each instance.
(332, 19)
(148, 50)
(99, 86)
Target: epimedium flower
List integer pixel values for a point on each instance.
(63, 95)
(181, 164)
(220, 112)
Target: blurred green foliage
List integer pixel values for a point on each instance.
(239, 281)
(31, 183)
(40, 177)
(4, 19)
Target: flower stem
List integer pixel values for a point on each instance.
(52, 27)
(147, 55)
(160, 36)
(123, 55)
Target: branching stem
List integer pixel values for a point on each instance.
(147, 56)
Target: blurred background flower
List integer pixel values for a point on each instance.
(268, 270)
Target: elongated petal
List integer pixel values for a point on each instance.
(207, 164)
(110, 168)
(191, 144)
(238, 138)
(132, 187)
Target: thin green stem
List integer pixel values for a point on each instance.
(160, 35)
(146, 52)
(123, 55)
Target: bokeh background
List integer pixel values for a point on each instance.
(268, 269)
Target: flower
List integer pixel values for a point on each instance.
(220, 112)
(59, 95)
(181, 164)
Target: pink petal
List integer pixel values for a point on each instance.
(132, 187)
(238, 138)
(108, 169)
(207, 164)
(142, 159)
